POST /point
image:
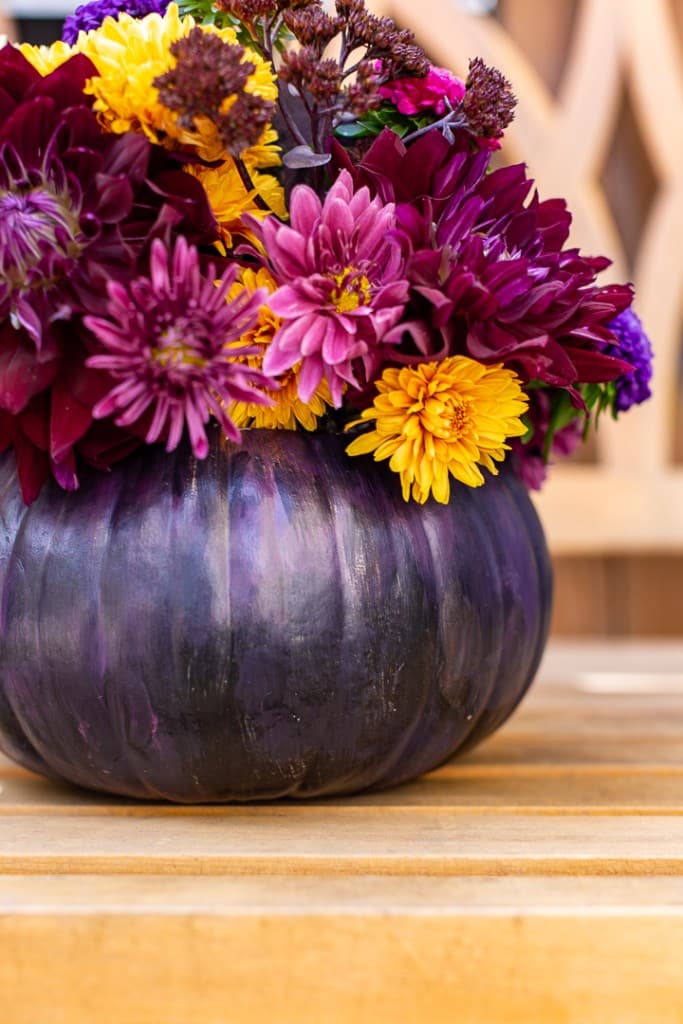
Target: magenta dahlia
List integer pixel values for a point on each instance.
(342, 286)
(172, 343)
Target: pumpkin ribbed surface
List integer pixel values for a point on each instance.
(272, 621)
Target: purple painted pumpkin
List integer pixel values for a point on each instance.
(273, 621)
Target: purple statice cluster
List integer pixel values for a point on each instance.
(91, 15)
(633, 345)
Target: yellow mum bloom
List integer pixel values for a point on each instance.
(288, 410)
(441, 418)
(46, 59)
(130, 53)
(230, 200)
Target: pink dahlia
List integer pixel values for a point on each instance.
(171, 341)
(414, 95)
(342, 286)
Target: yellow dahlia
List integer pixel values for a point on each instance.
(441, 418)
(230, 200)
(265, 152)
(130, 53)
(287, 410)
(46, 59)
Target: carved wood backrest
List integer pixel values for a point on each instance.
(6, 26)
(631, 499)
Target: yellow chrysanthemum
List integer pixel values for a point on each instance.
(287, 410)
(46, 59)
(230, 200)
(130, 53)
(441, 418)
(265, 152)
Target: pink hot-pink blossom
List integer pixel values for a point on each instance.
(413, 95)
(340, 269)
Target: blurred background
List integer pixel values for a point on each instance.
(599, 121)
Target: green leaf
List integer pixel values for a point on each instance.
(526, 437)
(353, 130)
(561, 415)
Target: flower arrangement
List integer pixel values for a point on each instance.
(273, 216)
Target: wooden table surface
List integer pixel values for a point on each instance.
(537, 881)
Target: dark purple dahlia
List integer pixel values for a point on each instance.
(60, 203)
(490, 277)
(90, 16)
(78, 207)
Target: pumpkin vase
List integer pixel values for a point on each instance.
(272, 621)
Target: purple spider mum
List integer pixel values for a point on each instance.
(633, 345)
(172, 342)
(342, 286)
(90, 16)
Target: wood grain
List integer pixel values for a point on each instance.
(324, 841)
(340, 967)
(456, 791)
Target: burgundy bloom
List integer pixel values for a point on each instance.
(78, 208)
(342, 286)
(60, 205)
(171, 341)
(489, 275)
(47, 397)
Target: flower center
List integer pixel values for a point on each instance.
(40, 237)
(179, 343)
(446, 415)
(352, 290)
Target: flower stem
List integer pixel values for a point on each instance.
(249, 184)
(450, 120)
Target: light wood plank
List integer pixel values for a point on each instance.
(249, 841)
(459, 790)
(62, 896)
(520, 748)
(342, 967)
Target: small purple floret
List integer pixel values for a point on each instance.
(634, 346)
(90, 16)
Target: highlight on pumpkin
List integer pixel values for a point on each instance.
(437, 420)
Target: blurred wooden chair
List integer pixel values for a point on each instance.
(7, 27)
(600, 121)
